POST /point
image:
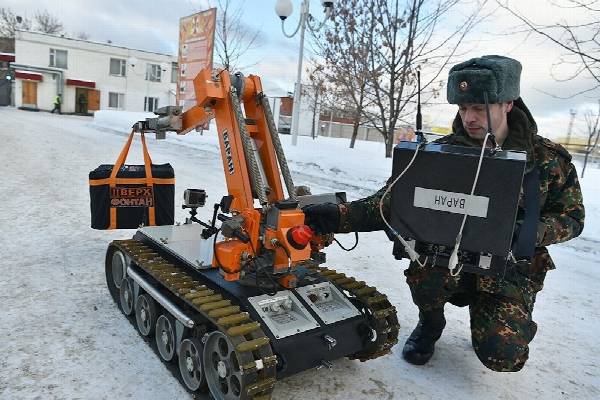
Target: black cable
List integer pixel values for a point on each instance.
(289, 256)
(258, 269)
(275, 283)
(254, 259)
(351, 248)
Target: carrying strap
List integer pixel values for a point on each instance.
(524, 247)
(148, 180)
(125, 151)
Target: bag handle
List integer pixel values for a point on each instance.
(147, 161)
(123, 157)
(149, 180)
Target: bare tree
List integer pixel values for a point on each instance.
(317, 87)
(393, 39)
(593, 133)
(325, 97)
(409, 39)
(233, 37)
(579, 39)
(44, 22)
(344, 48)
(82, 35)
(9, 22)
(47, 23)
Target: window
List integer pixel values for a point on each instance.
(153, 72)
(117, 66)
(58, 58)
(174, 72)
(116, 100)
(150, 104)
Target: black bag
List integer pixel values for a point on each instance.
(128, 196)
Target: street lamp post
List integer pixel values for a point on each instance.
(284, 9)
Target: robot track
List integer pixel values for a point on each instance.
(381, 313)
(216, 345)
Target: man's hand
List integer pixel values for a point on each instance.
(322, 218)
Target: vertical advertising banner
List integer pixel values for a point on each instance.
(196, 46)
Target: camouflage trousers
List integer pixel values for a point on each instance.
(500, 309)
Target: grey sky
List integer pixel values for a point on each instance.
(153, 25)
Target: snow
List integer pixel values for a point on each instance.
(120, 121)
(63, 338)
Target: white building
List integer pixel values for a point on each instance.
(89, 76)
(282, 108)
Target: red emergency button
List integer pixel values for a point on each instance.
(299, 236)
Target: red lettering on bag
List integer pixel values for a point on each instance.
(132, 196)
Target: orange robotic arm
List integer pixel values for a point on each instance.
(253, 162)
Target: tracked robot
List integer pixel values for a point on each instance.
(238, 302)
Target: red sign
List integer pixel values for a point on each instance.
(196, 47)
(79, 82)
(32, 76)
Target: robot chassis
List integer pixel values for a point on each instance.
(236, 308)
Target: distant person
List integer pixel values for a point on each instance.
(82, 101)
(57, 103)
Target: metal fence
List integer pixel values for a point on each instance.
(578, 152)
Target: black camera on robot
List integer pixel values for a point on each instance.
(194, 198)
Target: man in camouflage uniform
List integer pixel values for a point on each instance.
(500, 308)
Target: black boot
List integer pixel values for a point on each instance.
(420, 345)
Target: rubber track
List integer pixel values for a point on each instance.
(382, 313)
(252, 345)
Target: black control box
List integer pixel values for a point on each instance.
(430, 200)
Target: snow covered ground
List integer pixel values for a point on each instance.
(63, 338)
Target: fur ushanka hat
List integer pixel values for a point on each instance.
(499, 76)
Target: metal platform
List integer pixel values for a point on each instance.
(184, 241)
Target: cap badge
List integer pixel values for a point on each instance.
(463, 86)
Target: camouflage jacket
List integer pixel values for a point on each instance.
(561, 209)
